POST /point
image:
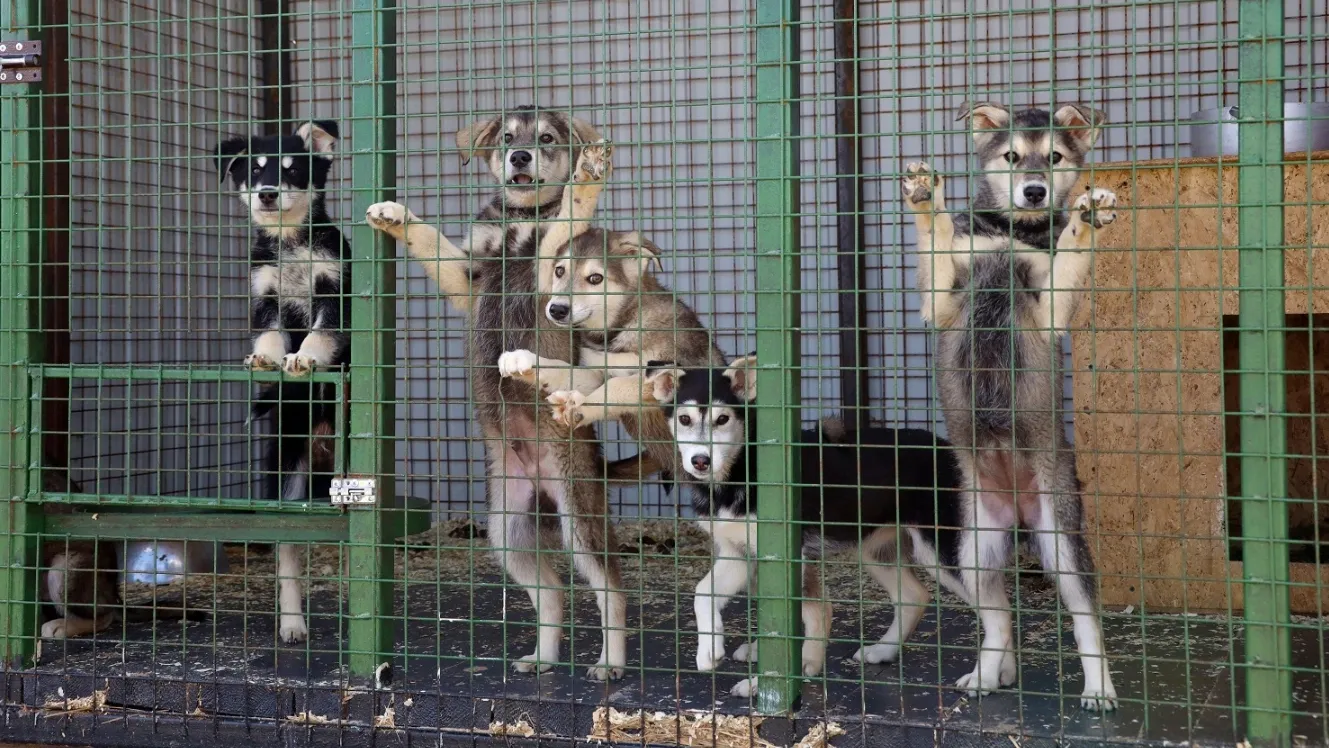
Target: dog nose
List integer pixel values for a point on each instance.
(558, 312)
(267, 196)
(1034, 193)
(520, 159)
(701, 462)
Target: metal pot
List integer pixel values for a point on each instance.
(1305, 128)
(164, 561)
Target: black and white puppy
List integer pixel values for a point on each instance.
(859, 490)
(297, 272)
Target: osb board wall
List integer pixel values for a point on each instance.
(1148, 358)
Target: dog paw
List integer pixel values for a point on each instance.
(293, 629)
(388, 217)
(593, 165)
(710, 652)
(744, 688)
(979, 684)
(567, 407)
(298, 366)
(54, 629)
(601, 671)
(1095, 207)
(919, 185)
(528, 664)
(518, 364)
(746, 652)
(1104, 699)
(259, 362)
(876, 654)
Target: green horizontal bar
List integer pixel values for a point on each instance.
(229, 527)
(112, 501)
(154, 373)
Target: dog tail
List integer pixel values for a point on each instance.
(991, 354)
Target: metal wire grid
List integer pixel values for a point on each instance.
(1182, 39)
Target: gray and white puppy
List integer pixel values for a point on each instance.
(1001, 287)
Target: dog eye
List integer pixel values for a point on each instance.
(546, 138)
(1056, 157)
(507, 137)
(559, 271)
(685, 420)
(1012, 157)
(595, 279)
(258, 169)
(722, 420)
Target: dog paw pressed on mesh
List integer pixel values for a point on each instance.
(388, 217)
(567, 407)
(259, 362)
(298, 366)
(594, 163)
(1095, 207)
(518, 364)
(920, 185)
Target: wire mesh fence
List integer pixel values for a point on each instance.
(1133, 375)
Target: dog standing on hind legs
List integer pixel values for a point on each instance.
(546, 481)
(297, 269)
(1000, 302)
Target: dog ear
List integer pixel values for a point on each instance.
(478, 139)
(319, 135)
(984, 116)
(633, 244)
(742, 376)
(583, 133)
(229, 150)
(1081, 123)
(662, 383)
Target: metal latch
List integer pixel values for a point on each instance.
(354, 491)
(20, 62)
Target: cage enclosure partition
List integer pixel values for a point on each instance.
(760, 147)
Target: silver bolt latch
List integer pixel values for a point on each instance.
(20, 62)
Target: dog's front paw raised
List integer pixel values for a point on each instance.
(567, 407)
(594, 164)
(298, 366)
(1095, 207)
(259, 362)
(519, 364)
(920, 185)
(390, 218)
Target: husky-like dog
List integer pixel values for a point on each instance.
(1001, 293)
(854, 498)
(297, 271)
(537, 466)
(603, 288)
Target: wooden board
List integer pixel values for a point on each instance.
(1148, 363)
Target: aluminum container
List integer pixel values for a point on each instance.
(163, 561)
(1305, 128)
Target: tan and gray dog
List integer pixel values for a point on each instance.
(602, 287)
(544, 479)
(1001, 288)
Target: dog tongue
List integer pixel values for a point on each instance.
(521, 179)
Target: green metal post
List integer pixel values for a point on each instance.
(20, 341)
(778, 533)
(373, 340)
(1263, 432)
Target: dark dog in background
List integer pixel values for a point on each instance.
(297, 271)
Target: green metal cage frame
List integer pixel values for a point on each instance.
(369, 435)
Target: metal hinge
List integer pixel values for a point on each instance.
(354, 491)
(20, 62)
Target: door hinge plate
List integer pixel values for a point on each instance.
(20, 61)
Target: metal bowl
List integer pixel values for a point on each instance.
(1305, 128)
(164, 561)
